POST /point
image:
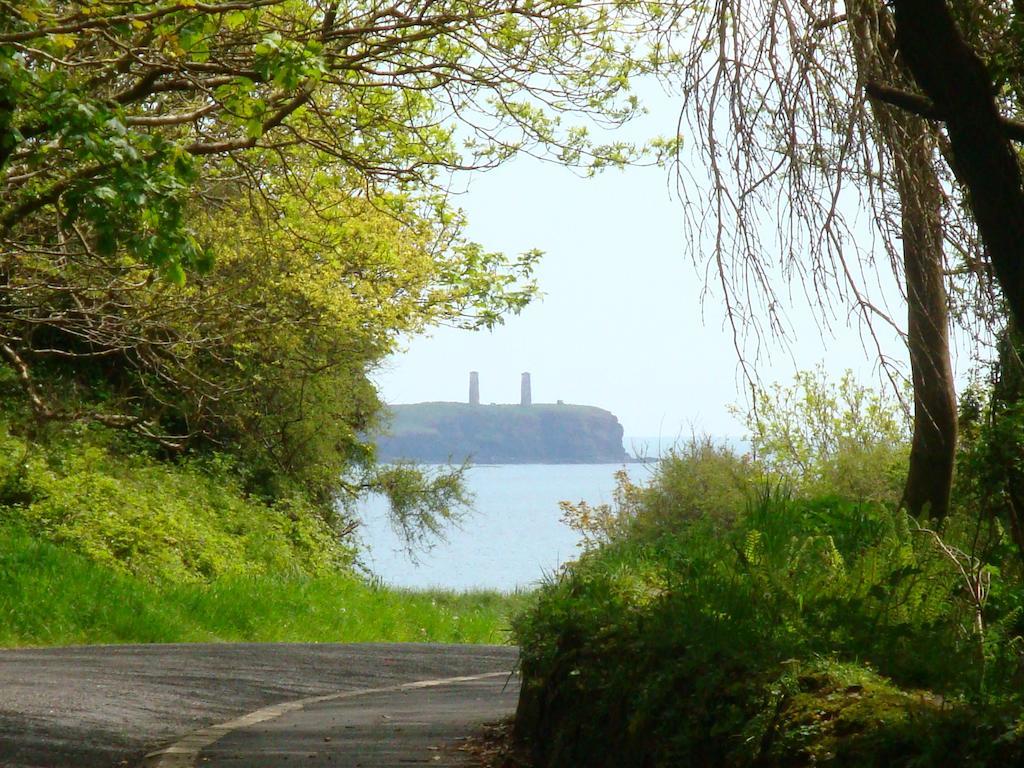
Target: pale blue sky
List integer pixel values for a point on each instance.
(621, 324)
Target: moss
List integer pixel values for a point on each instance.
(845, 716)
(834, 714)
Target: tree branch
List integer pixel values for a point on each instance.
(922, 106)
(45, 412)
(39, 406)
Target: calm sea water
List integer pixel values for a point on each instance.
(511, 539)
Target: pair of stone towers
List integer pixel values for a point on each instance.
(525, 394)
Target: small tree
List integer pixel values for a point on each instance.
(828, 437)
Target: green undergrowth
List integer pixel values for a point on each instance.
(783, 632)
(162, 520)
(51, 595)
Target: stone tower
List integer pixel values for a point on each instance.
(525, 396)
(474, 388)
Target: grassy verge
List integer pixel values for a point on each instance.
(102, 543)
(50, 595)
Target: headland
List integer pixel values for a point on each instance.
(524, 433)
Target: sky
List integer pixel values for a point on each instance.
(621, 324)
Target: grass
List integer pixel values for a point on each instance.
(50, 595)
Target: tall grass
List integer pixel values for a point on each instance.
(50, 595)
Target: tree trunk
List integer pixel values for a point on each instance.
(933, 446)
(957, 81)
(912, 148)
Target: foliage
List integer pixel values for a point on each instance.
(286, 330)
(990, 468)
(816, 438)
(160, 521)
(217, 219)
(828, 437)
(423, 502)
(49, 595)
(100, 542)
(697, 480)
(113, 142)
(794, 630)
(598, 524)
(269, 354)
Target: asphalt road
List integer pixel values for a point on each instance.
(105, 706)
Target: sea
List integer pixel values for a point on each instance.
(511, 539)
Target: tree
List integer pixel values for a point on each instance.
(966, 59)
(778, 99)
(217, 218)
(294, 319)
(913, 149)
(123, 123)
(961, 93)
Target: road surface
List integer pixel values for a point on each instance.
(262, 704)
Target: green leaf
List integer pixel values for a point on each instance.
(204, 261)
(234, 20)
(254, 127)
(175, 273)
(106, 241)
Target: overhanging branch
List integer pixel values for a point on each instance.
(44, 412)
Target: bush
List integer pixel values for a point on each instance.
(158, 519)
(696, 480)
(699, 479)
(796, 631)
(831, 438)
(779, 609)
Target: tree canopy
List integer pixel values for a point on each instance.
(114, 111)
(307, 148)
(216, 219)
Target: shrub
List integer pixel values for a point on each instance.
(696, 480)
(700, 479)
(161, 520)
(831, 438)
(715, 641)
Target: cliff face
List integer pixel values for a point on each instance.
(502, 434)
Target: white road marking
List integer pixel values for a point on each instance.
(185, 752)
